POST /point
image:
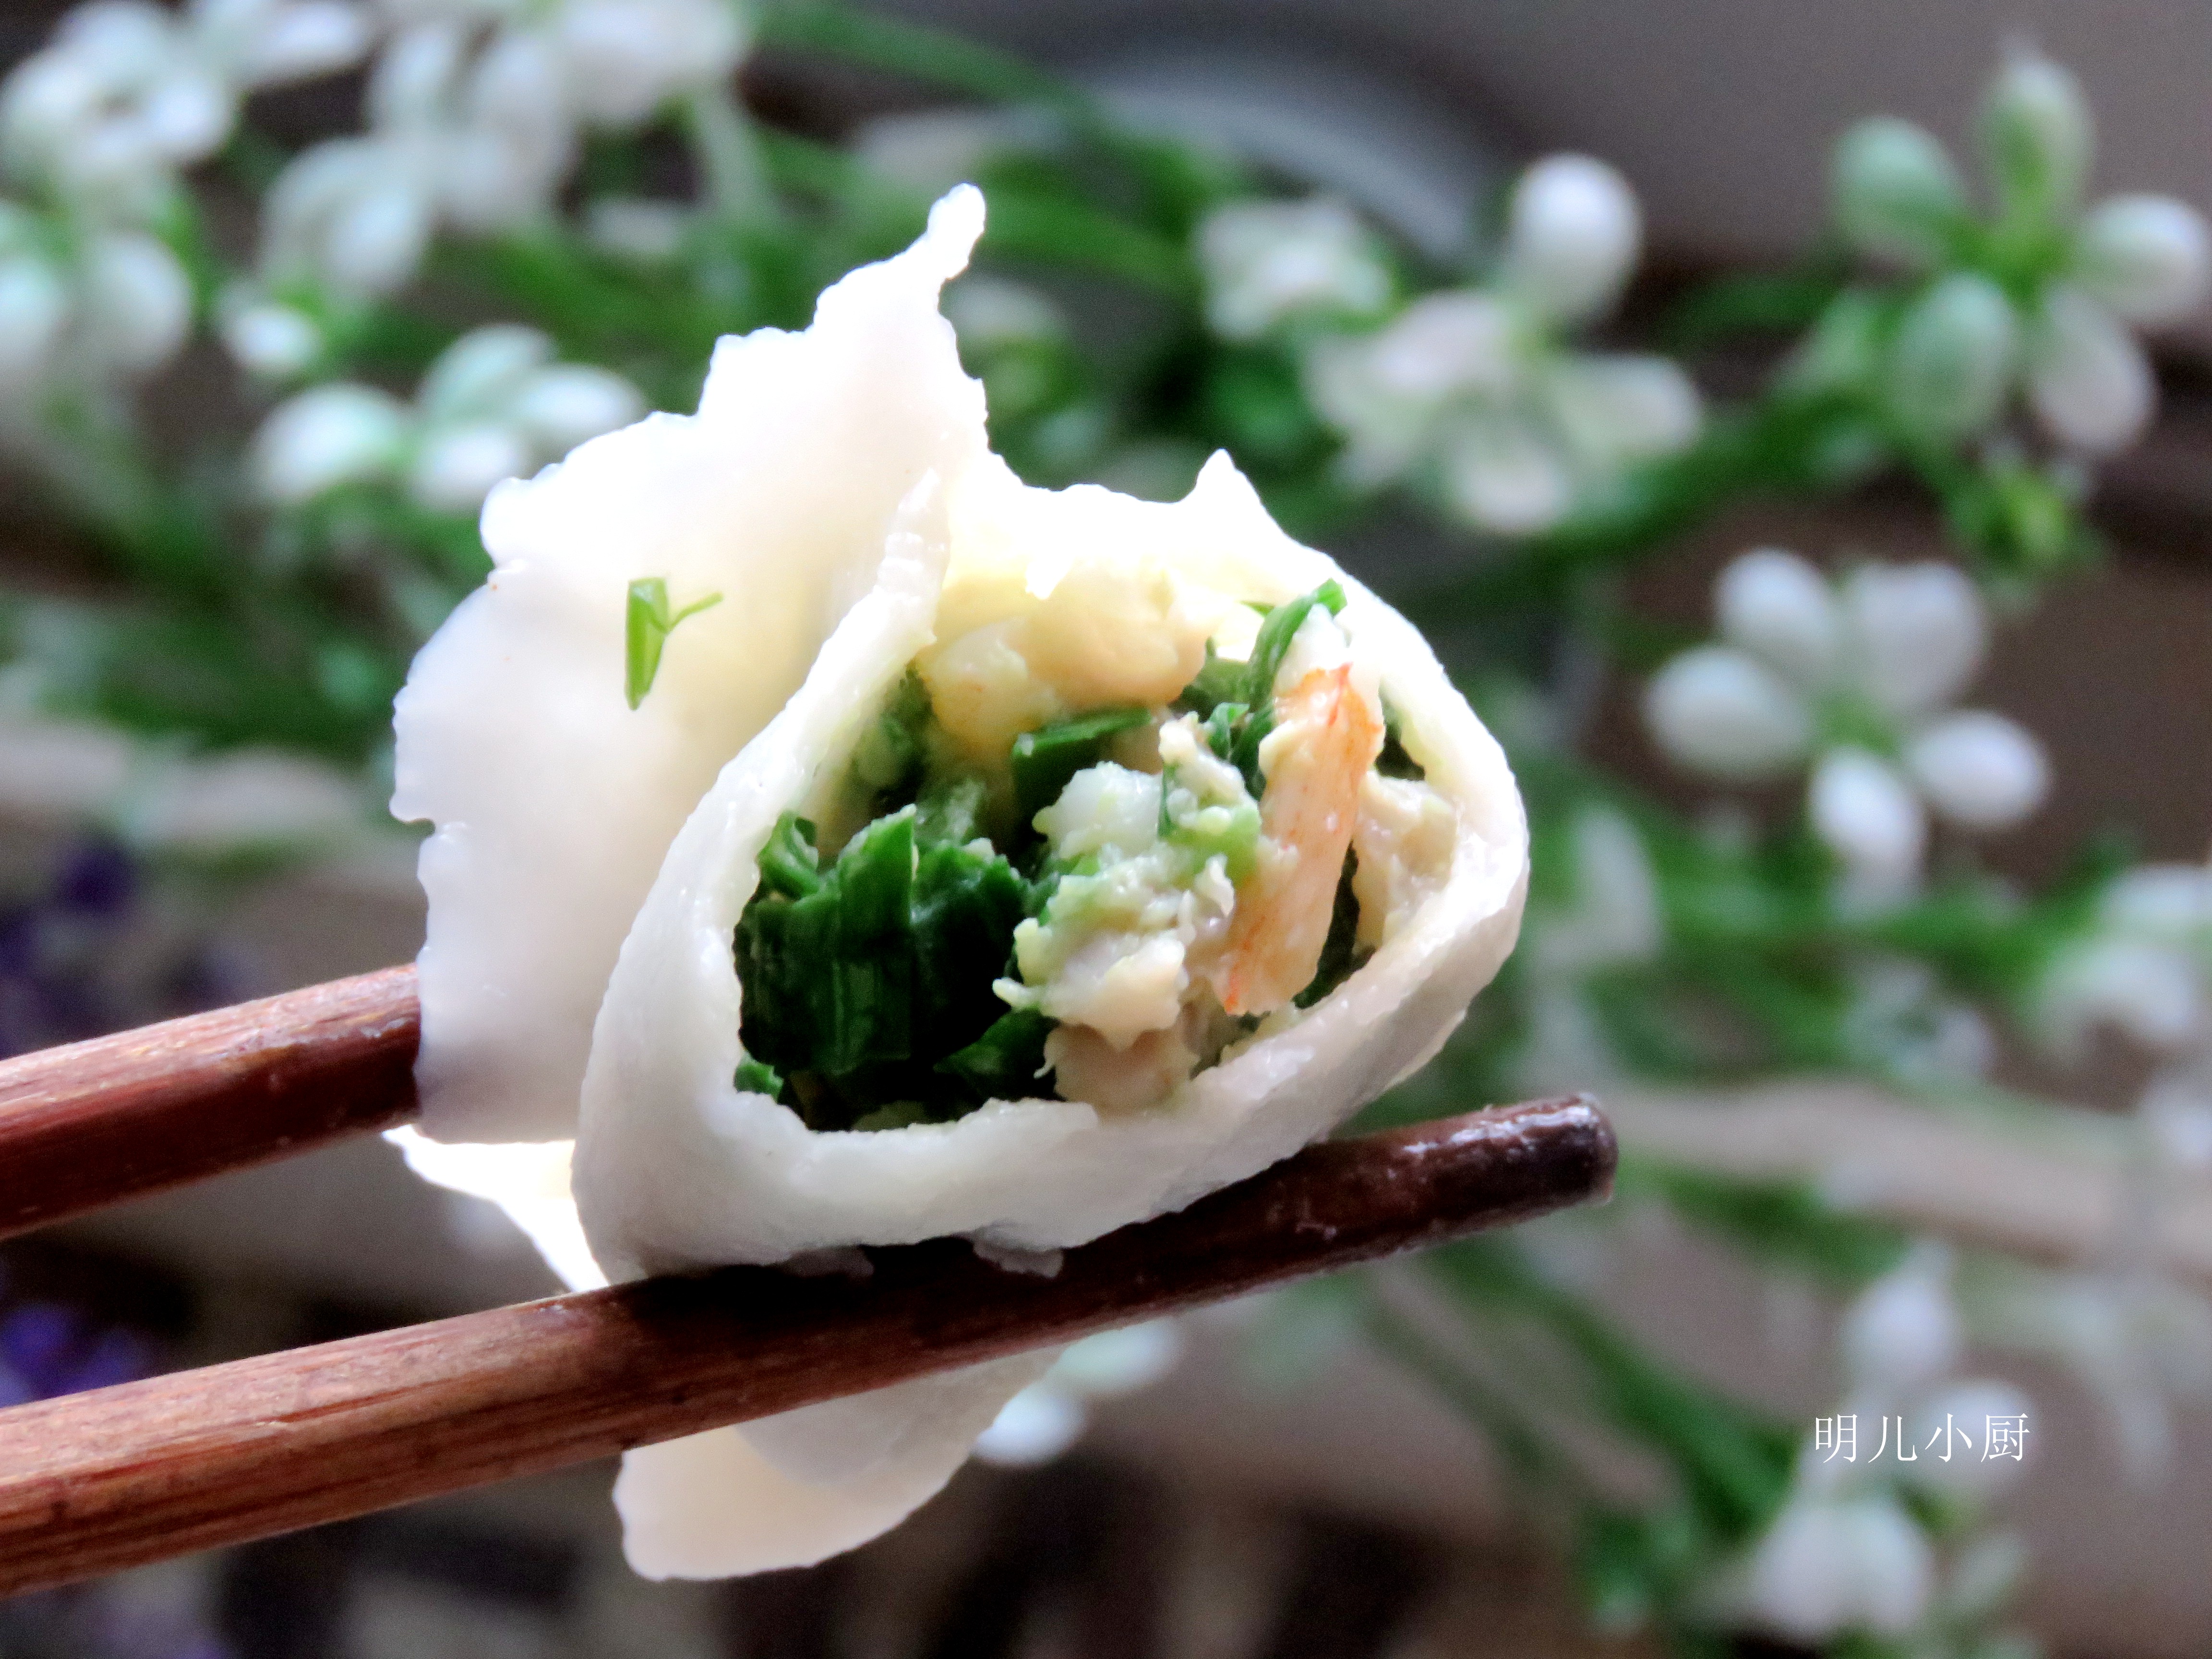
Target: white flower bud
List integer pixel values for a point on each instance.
(561, 406)
(301, 39)
(2147, 990)
(1572, 237)
(1966, 1408)
(2161, 901)
(989, 311)
(1951, 364)
(1978, 770)
(637, 228)
(2148, 258)
(125, 40)
(931, 150)
(479, 372)
(1897, 195)
(518, 81)
(1844, 350)
(270, 341)
(1718, 711)
(1829, 1565)
(1119, 1362)
(1503, 477)
(1862, 809)
(34, 304)
(1443, 345)
(1265, 262)
(1385, 431)
(492, 178)
(2177, 1113)
(2086, 377)
(46, 100)
(376, 241)
(187, 116)
(331, 435)
(627, 57)
(1777, 606)
(456, 469)
(415, 75)
(2036, 128)
(1034, 1427)
(1916, 633)
(1616, 409)
(1903, 1331)
(139, 302)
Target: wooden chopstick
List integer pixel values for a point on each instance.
(103, 1480)
(121, 1116)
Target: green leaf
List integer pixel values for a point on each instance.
(1782, 1222)
(789, 863)
(647, 625)
(1007, 1061)
(879, 42)
(858, 979)
(1273, 643)
(1221, 680)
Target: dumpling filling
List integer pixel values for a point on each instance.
(1093, 840)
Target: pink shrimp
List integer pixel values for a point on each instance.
(1325, 740)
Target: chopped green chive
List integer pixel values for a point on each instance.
(1276, 632)
(647, 626)
(1045, 759)
(1237, 700)
(859, 977)
(757, 1076)
(1003, 1063)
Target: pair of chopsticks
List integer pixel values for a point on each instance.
(98, 1481)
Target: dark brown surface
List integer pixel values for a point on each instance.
(121, 1116)
(108, 1479)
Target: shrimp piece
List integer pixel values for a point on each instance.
(1326, 739)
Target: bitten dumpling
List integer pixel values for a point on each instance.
(849, 845)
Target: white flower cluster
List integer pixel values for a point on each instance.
(475, 109)
(1470, 391)
(2040, 298)
(1845, 1554)
(494, 406)
(101, 303)
(1050, 1416)
(96, 126)
(1267, 263)
(1854, 679)
(2144, 968)
(128, 93)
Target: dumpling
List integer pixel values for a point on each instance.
(924, 854)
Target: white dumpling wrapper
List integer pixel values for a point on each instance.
(848, 460)
(533, 881)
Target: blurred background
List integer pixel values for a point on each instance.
(1870, 893)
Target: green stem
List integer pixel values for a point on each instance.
(1540, 1466)
(886, 43)
(729, 155)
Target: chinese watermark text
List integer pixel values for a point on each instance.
(2001, 1437)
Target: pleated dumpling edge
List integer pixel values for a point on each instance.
(552, 801)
